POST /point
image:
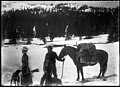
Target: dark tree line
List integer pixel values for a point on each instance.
(18, 24)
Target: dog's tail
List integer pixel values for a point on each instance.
(11, 82)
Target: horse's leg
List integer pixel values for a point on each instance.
(78, 73)
(104, 70)
(17, 83)
(81, 70)
(105, 67)
(99, 73)
(101, 69)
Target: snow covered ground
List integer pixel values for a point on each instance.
(11, 60)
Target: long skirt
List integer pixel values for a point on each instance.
(26, 79)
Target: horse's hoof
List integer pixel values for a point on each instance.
(104, 79)
(83, 79)
(98, 77)
(77, 79)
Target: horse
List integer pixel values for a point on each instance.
(101, 57)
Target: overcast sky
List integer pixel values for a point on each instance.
(89, 3)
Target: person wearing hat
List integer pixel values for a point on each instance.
(26, 78)
(47, 73)
(52, 56)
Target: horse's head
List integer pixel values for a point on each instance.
(18, 71)
(63, 52)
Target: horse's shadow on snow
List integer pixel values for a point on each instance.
(94, 78)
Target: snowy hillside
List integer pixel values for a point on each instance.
(6, 5)
(9, 5)
(11, 60)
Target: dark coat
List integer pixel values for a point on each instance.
(52, 56)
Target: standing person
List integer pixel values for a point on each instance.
(26, 78)
(47, 72)
(53, 56)
(49, 68)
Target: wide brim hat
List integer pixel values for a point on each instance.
(25, 48)
(49, 46)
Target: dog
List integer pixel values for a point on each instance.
(50, 81)
(15, 77)
(55, 82)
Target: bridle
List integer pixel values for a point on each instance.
(65, 53)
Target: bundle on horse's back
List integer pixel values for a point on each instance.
(85, 51)
(87, 47)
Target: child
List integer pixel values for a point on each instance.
(26, 78)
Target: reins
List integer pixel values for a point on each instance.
(62, 68)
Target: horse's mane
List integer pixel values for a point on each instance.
(72, 47)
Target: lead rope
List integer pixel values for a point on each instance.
(62, 69)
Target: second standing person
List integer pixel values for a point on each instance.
(52, 56)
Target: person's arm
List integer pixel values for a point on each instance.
(56, 56)
(45, 58)
(26, 60)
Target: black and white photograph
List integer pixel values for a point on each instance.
(60, 43)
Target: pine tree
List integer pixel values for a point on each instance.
(113, 31)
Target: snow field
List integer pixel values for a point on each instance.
(11, 60)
